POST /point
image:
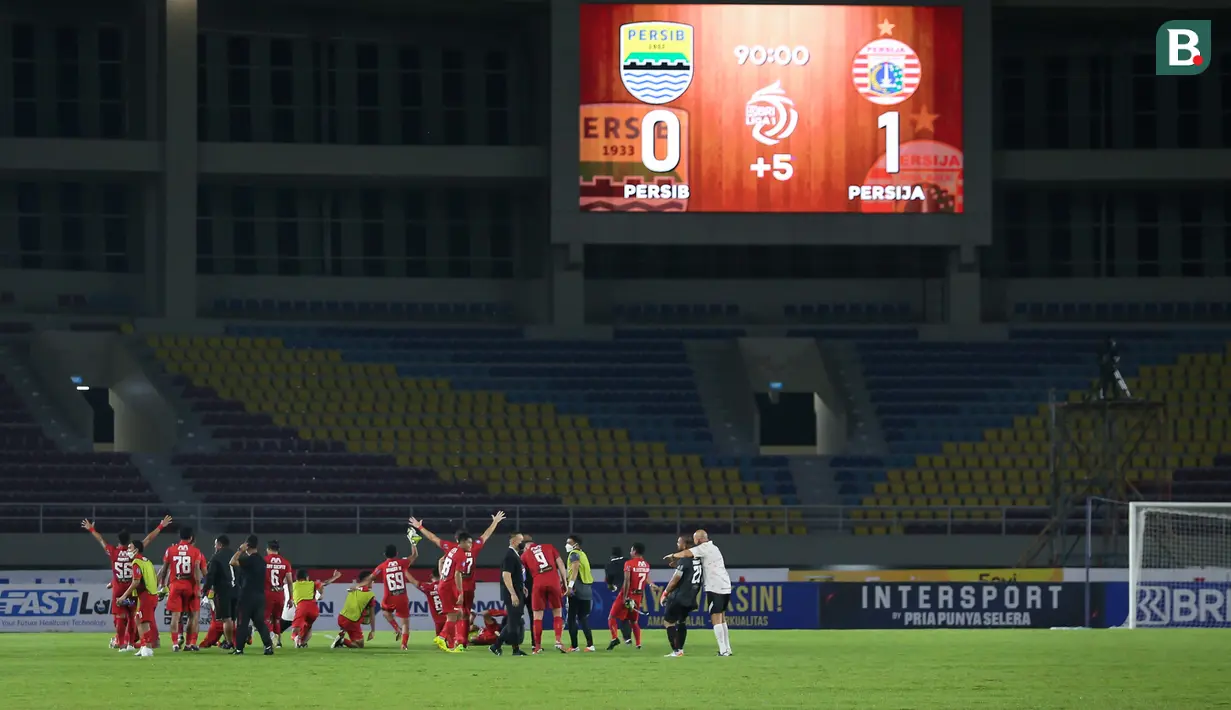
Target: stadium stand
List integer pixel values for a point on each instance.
(1084, 312)
(848, 312)
(573, 433)
(365, 310)
(64, 486)
(966, 425)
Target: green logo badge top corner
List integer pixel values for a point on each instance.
(1182, 47)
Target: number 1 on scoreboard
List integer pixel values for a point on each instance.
(893, 149)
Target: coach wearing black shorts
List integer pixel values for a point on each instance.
(513, 594)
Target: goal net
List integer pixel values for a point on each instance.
(1179, 565)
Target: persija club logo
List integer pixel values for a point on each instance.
(771, 114)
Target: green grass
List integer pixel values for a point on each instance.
(954, 670)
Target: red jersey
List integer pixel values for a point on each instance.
(636, 571)
(391, 573)
(277, 571)
(431, 590)
(453, 561)
(181, 560)
(121, 567)
(467, 563)
(540, 560)
(491, 619)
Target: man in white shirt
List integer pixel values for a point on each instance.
(717, 585)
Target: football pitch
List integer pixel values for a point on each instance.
(772, 669)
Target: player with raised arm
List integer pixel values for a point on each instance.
(304, 595)
(679, 599)
(460, 574)
(547, 592)
(142, 596)
(627, 604)
(393, 573)
(278, 575)
(183, 568)
(717, 585)
(358, 609)
(121, 579)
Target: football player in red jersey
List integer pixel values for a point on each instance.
(628, 603)
(435, 607)
(547, 567)
(183, 568)
(121, 579)
(277, 581)
(493, 622)
(393, 573)
(460, 574)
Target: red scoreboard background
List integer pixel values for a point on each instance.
(771, 108)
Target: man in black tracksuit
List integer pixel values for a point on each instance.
(614, 573)
(219, 588)
(251, 577)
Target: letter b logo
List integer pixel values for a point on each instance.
(1182, 48)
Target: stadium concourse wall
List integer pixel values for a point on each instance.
(72, 551)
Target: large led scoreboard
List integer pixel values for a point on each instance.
(771, 108)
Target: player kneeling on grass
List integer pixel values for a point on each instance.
(358, 609)
(304, 595)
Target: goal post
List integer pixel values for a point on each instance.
(1179, 573)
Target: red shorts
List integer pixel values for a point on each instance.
(147, 608)
(399, 605)
(306, 614)
(183, 597)
(546, 594)
(275, 602)
(116, 609)
(620, 612)
(439, 621)
(467, 598)
(485, 638)
(449, 600)
(352, 629)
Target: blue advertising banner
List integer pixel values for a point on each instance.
(951, 605)
(1170, 604)
(754, 605)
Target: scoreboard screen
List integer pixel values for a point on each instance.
(771, 108)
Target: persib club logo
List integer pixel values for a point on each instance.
(886, 72)
(656, 60)
(771, 114)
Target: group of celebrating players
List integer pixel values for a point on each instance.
(534, 576)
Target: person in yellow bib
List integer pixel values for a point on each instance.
(304, 596)
(358, 609)
(580, 593)
(143, 594)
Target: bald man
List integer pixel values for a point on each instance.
(717, 585)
